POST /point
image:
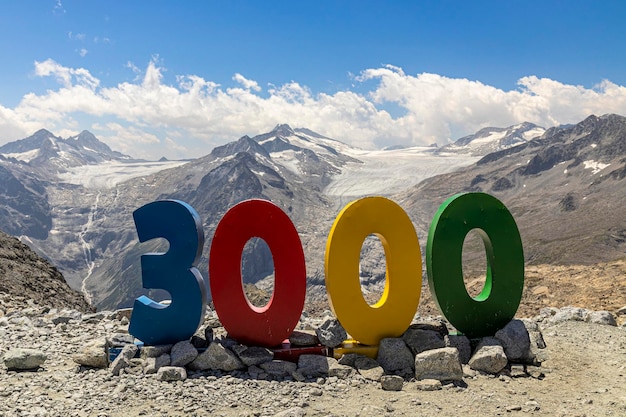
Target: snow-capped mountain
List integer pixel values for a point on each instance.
(493, 139)
(86, 227)
(32, 167)
(566, 190)
(50, 153)
(88, 193)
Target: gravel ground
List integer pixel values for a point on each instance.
(584, 376)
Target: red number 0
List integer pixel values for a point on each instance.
(271, 324)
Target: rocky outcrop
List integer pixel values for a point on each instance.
(26, 279)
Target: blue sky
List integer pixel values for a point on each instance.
(178, 78)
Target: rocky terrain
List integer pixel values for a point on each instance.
(583, 372)
(564, 189)
(55, 360)
(27, 279)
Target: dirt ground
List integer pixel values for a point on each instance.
(584, 376)
(595, 287)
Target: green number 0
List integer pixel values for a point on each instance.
(496, 305)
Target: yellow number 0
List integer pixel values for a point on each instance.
(393, 313)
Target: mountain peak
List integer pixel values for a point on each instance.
(283, 130)
(244, 144)
(43, 133)
(493, 139)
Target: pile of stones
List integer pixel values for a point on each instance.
(428, 352)
(63, 362)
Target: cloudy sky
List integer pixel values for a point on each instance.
(178, 78)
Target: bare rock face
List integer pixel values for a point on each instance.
(331, 333)
(25, 276)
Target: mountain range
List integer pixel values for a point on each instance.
(563, 186)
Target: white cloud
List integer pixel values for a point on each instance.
(150, 118)
(68, 77)
(246, 83)
(132, 67)
(82, 52)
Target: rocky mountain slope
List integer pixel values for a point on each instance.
(493, 139)
(27, 280)
(565, 189)
(280, 166)
(91, 236)
(30, 167)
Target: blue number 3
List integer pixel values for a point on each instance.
(174, 271)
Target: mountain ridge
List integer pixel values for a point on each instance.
(92, 238)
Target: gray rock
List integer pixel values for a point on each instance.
(198, 341)
(331, 333)
(369, 368)
(429, 385)
(216, 357)
(601, 317)
(208, 335)
(278, 368)
(152, 365)
(65, 316)
(123, 313)
(548, 312)
(394, 355)
(621, 311)
(313, 365)
(183, 353)
(297, 376)
(256, 372)
(304, 338)
(19, 359)
(154, 351)
(120, 339)
(489, 357)
(419, 340)
(468, 372)
(515, 340)
(172, 373)
(518, 371)
(254, 355)
(94, 354)
(392, 383)
(440, 364)
(338, 370)
(123, 359)
(349, 359)
(537, 352)
(94, 317)
(430, 324)
(568, 314)
(462, 344)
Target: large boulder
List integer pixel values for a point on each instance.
(441, 364)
